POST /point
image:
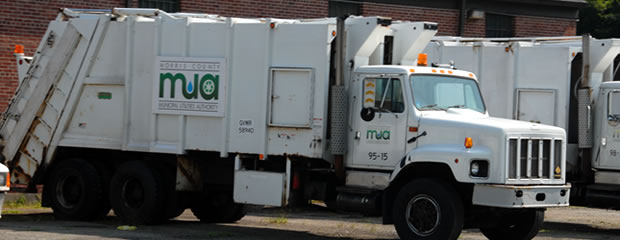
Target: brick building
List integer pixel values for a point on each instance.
(25, 21)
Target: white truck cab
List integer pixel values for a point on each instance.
(407, 118)
(607, 127)
(5, 184)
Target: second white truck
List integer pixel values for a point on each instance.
(150, 113)
(569, 82)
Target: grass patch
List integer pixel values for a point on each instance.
(11, 211)
(278, 220)
(21, 202)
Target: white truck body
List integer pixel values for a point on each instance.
(542, 80)
(518, 72)
(138, 120)
(290, 108)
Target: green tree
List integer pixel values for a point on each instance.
(601, 19)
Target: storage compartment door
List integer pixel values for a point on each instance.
(536, 105)
(261, 187)
(291, 97)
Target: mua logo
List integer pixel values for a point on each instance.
(377, 135)
(207, 85)
(189, 86)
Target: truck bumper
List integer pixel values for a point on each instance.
(514, 196)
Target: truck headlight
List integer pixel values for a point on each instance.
(3, 179)
(479, 169)
(475, 168)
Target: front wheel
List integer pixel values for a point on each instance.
(428, 209)
(523, 225)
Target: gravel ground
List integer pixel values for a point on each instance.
(274, 223)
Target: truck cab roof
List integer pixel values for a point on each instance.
(398, 69)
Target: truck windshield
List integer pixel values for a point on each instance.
(432, 92)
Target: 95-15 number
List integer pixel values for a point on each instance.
(377, 156)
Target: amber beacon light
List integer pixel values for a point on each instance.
(422, 59)
(469, 142)
(19, 49)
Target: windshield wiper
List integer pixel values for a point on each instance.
(457, 106)
(431, 107)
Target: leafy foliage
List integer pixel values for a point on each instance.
(601, 19)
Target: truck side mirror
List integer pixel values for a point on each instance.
(368, 114)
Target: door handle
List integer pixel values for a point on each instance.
(358, 135)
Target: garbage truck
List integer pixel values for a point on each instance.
(569, 82)
(149, 113)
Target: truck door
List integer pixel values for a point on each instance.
(609, 153)
(378, 122)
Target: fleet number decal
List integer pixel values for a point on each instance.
(614, 154)
(374, 156)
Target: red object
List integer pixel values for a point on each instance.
(295, 181)
(19, 49)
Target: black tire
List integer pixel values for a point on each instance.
(523, 225)
(136, 194)
(428, 209)
(218, 208)
(75, 190)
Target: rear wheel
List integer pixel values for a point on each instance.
(522, 225)
(136, 194)
(76, 191)
(428, 209)
(218, 207)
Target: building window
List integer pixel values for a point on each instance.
(339, 9)
(499, 25)
(170, 6)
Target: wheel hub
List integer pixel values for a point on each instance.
(133, 194)
(68, 191)
(423, 215)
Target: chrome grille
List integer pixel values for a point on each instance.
(532, 158)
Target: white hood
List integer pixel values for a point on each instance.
(470, 119)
